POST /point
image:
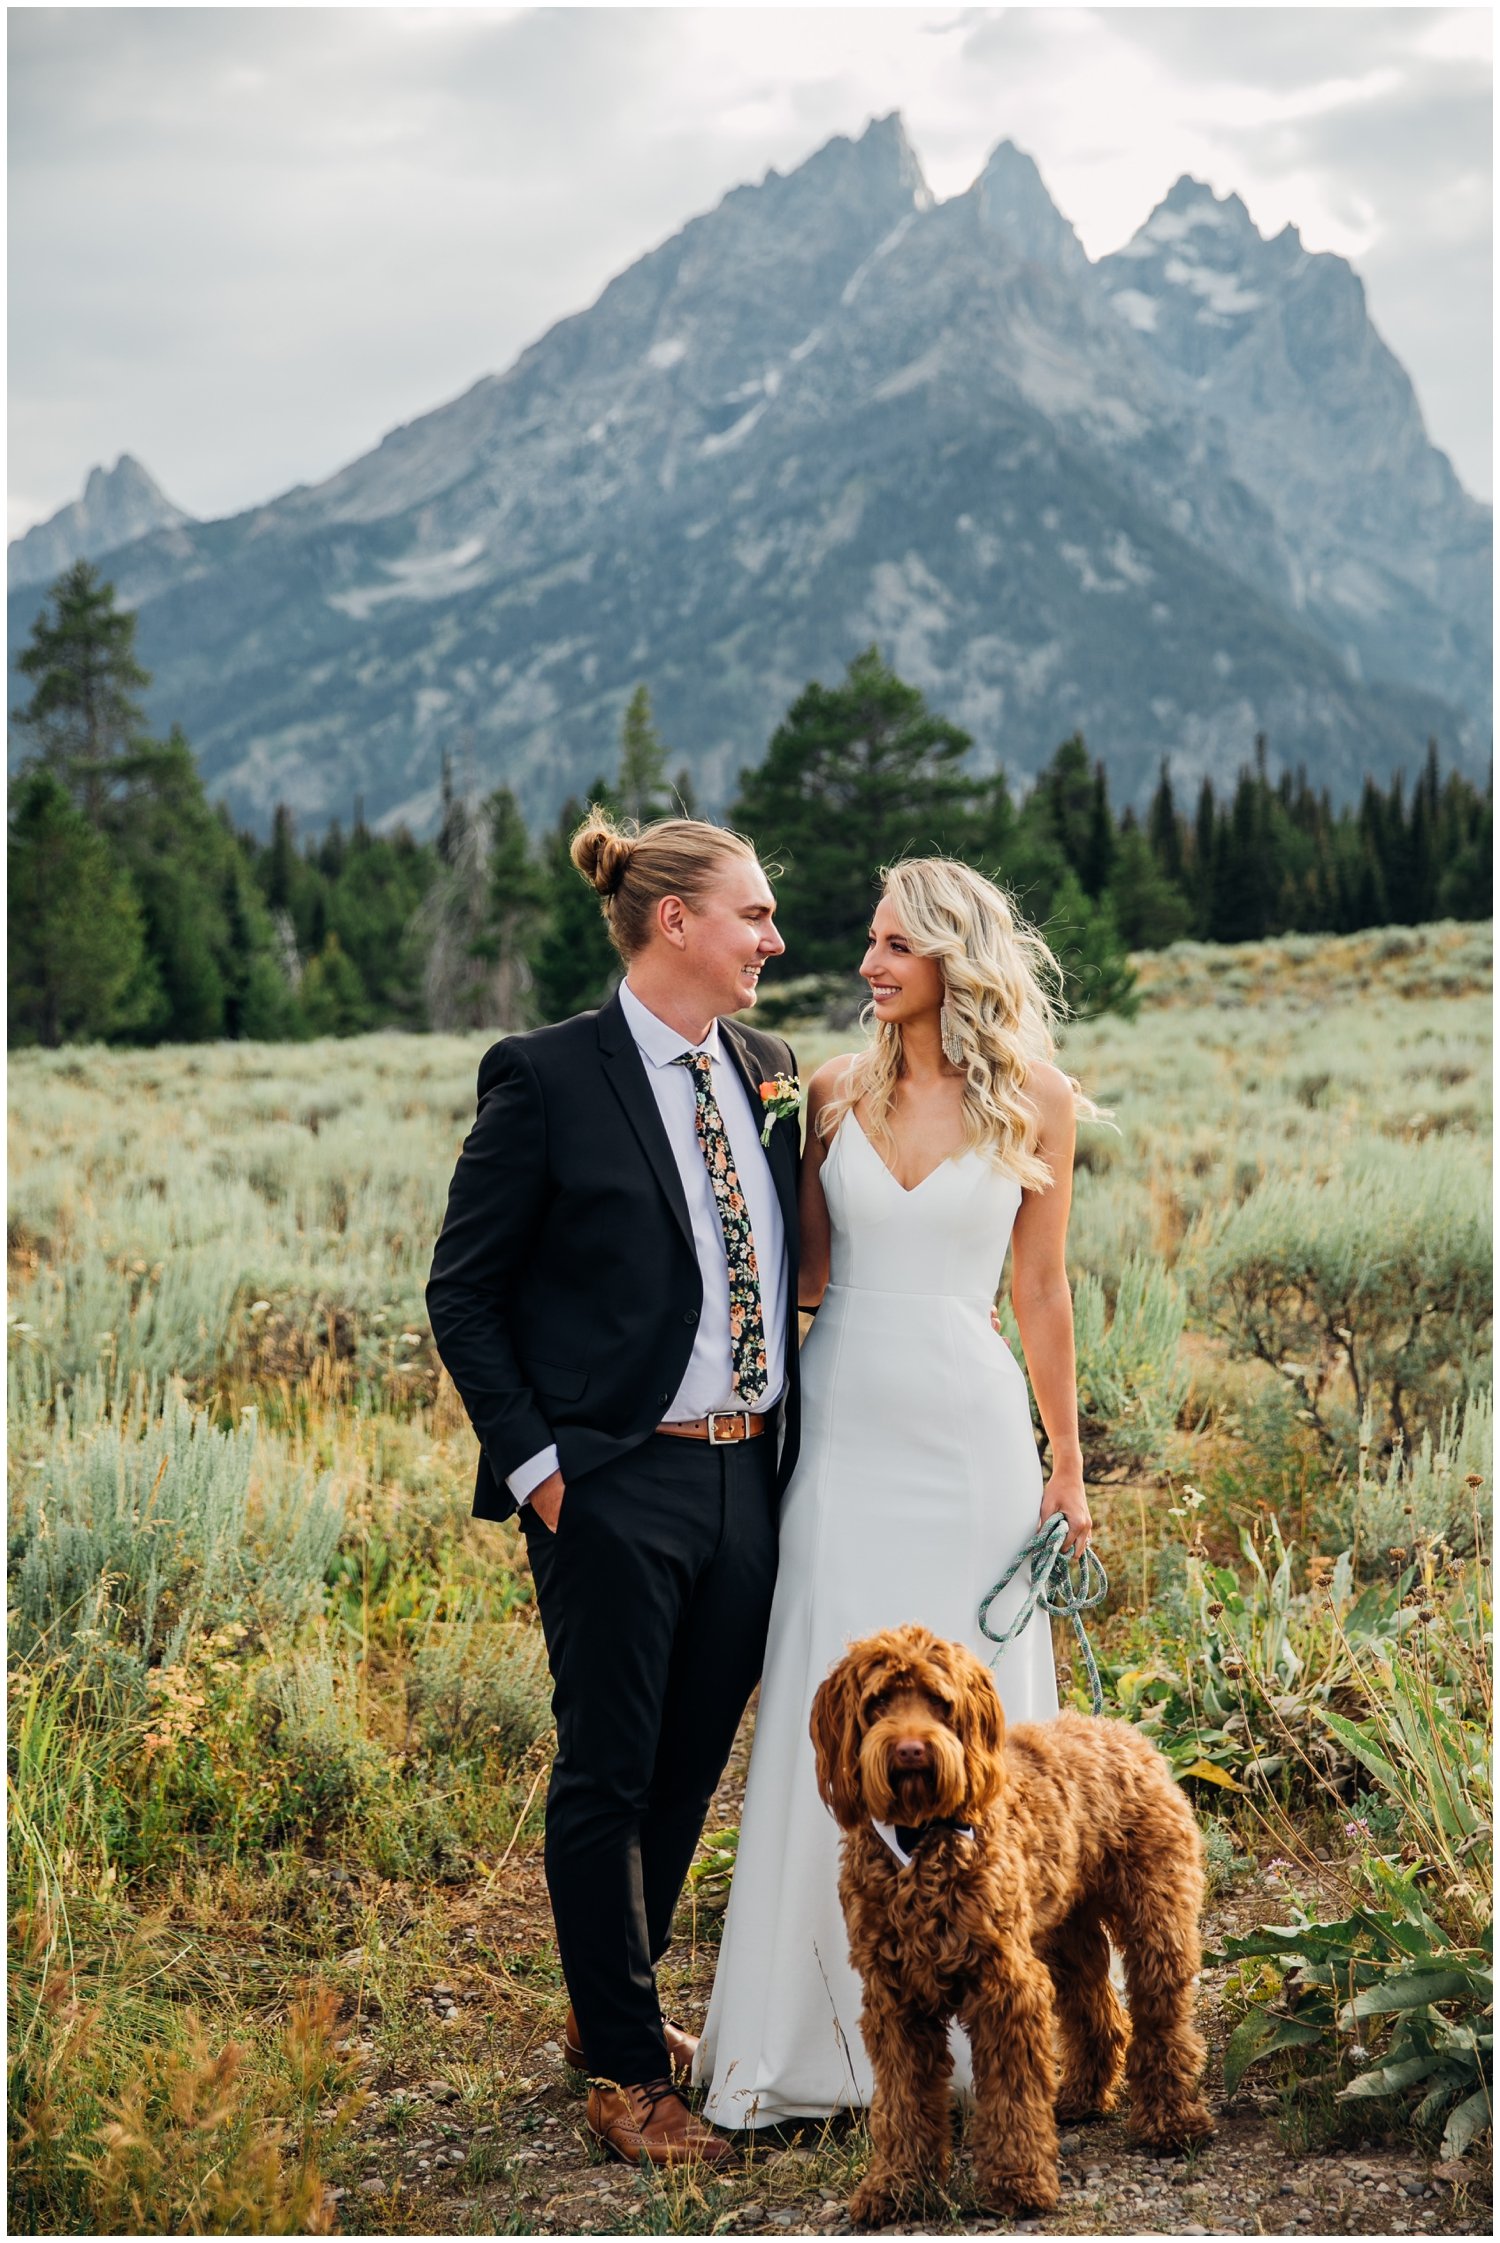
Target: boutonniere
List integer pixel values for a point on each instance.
(781, 1097)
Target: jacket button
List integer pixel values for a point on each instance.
(691, 1316)
(666, 1398)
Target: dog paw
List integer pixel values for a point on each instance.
(1014, 2194)
(1082, 2110)
(873, 2203)
(1163, 2132)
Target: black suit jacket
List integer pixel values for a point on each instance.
(565, 1292)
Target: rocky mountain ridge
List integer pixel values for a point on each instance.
(119, 504)
(1172, 499)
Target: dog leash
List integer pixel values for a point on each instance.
(1053, 1591)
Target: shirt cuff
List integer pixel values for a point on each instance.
(532, 1473)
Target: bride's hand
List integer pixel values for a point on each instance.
(1065, 1493)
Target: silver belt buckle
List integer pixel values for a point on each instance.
(727, 1417)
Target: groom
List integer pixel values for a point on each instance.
(614, 1294)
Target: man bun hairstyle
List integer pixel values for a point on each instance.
(633, 868)
(600, 853)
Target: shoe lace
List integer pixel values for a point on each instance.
(653, 2093)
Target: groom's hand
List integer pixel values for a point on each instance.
(547, 1500)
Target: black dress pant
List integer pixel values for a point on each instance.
(655, 1595)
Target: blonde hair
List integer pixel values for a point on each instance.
(632, 868)
(1002, 988)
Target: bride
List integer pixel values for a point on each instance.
(947, 1140)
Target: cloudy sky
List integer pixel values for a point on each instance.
(246, 242)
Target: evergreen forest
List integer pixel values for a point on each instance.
(139, 914)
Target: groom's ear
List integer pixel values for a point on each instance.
(835, 1735)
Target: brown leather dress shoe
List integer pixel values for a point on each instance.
(650, 2124)
(681, 2049)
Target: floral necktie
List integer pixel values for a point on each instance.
(747, 1331)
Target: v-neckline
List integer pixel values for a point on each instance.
(907, 1191)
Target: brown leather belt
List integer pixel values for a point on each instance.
(724, 1427)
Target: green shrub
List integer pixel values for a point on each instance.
(1132, 1380)
(1428, 1498)
(326, 1768)
(135, 1526)
(1240, 1701)
(474, 1691)
(1381, 1974)
(1378, 1273)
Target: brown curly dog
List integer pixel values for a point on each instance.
(1023, 1853)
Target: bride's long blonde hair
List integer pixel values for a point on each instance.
(1002, 988)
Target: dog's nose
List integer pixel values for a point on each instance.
(910, 1752)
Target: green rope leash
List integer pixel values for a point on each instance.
(1053, 1591)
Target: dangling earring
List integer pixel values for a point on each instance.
(953, 1050)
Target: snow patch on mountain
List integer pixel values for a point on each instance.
(416, 576)
(1166, 224)
(913, 376)
(862, 271)
(1139, 309)
(728, 438)
(1221, 291)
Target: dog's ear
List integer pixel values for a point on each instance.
(835, 1735)
(981, 1725)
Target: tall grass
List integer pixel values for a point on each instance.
(255, 1633)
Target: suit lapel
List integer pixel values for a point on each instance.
(780, 1153)
(625, 1072)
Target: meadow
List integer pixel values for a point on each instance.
(279, 1734)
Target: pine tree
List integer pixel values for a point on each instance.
(83, 713)
(1422, 855)
(332, 996)
(517, 903)
(1097, 974)
(279, 869)
(1099, 850)
(991, 841)
(1164, 830)
(1465, 827)
(857, 775)
(574, 966)
(643, 789)
(1066, 804)
(1205, 828)
(77, 954)
(1243, 890)
(1150, 911)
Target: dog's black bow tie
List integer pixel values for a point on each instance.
(903, 1838)
(907, 1836)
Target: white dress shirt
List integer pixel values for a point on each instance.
(705, 1387)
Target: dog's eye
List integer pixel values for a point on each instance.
(874, 1707)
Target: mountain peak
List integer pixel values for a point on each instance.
(884, 154)
(1190, 204)
(1014, 202)
(119, 504)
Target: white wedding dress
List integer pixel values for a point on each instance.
(918, 1482)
